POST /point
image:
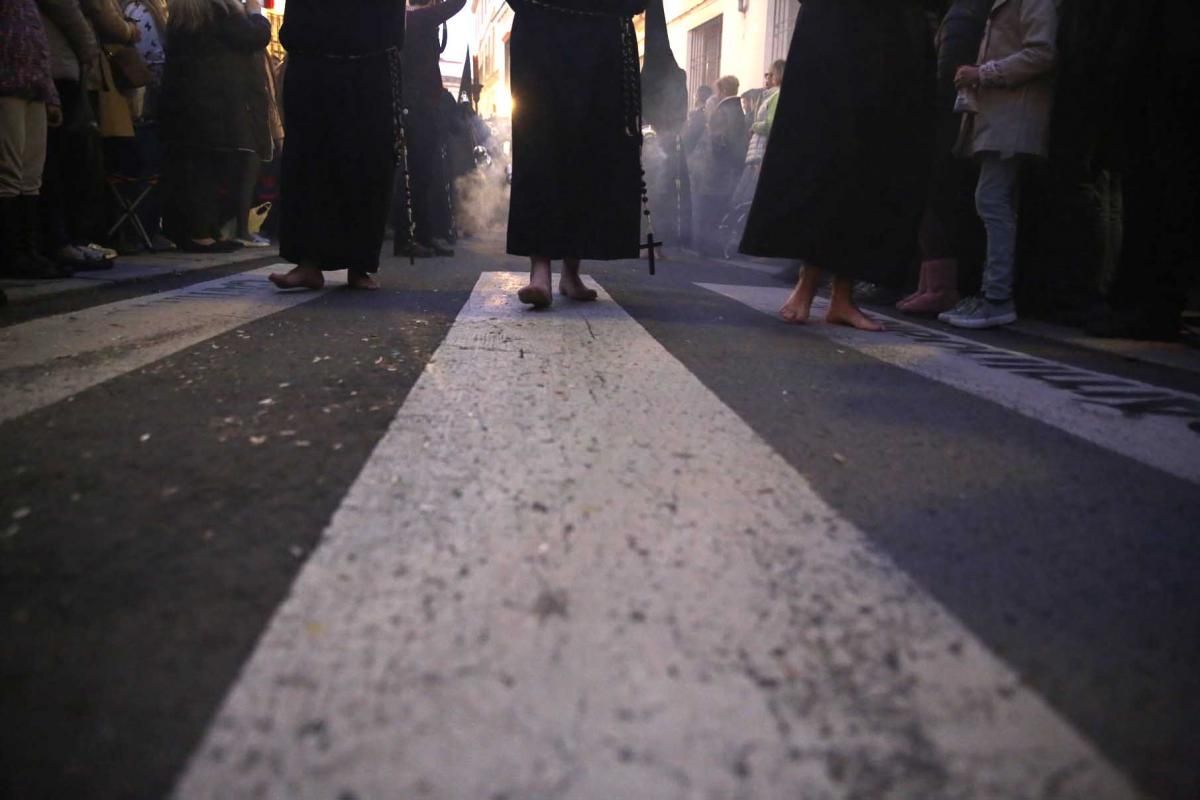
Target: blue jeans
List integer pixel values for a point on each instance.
(996, 202)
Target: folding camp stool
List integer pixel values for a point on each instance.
(127, 208)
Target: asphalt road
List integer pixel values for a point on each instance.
(422, 543)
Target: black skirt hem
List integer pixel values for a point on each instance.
(527, 253)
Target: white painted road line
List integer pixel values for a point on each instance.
(50, 359)
(568, 570)
(1156, 426)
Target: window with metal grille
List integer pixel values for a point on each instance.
(704, 56)
(781, 23)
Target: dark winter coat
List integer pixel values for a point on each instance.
(214, 93)
(958, 40)
(727, 141)
(24, 53)
(845, 175)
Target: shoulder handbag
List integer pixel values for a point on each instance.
(128, 66)
(116, 117)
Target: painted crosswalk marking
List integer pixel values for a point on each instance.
(568, 570)
(50, 359)
(1156, 426)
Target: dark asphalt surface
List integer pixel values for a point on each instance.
(140, 581)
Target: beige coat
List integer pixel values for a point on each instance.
(1016, 92)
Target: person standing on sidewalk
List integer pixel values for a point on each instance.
(210, 91)
(1009, 96)
(342, 109)
(73, 52)
(760, 131)
(576, 139)
(952, 179)
(146, 155)
(28, 105)
(725, 157)
(847, 164)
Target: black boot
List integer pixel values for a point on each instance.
(31, 215)
(18, 234)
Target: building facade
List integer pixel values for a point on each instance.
(710, 38)
(493, 25)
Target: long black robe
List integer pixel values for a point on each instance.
(845, 173)
(339, 155)
(576, 189)
(1137, 119)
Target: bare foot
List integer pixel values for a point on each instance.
(573, 287)
(535, 295)
(362, 280)
(301, 277)
(851, 317)
(799, 303)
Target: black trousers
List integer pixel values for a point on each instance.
(73, 205)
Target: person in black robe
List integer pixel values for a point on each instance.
(665, 109)
(1138, 121)
(342, 106)
(423, 91)
(845, 173)
(576, 183)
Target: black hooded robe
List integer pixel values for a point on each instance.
(845, 174)
(576, 130)
(339, 99)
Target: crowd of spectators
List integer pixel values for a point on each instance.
(1064, 170)
(128, 125)
(1063, 181)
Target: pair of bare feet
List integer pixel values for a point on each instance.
(842, 310)
(310, 277)
(539, 293)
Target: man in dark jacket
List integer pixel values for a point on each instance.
(726, 155)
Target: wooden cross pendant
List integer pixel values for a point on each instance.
(649, 246)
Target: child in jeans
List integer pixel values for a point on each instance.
(1010, 94)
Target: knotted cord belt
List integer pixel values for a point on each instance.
(394, 59)
(631, 79)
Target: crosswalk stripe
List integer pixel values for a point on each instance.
(569, 570)
(49, 359)
(1156, 426)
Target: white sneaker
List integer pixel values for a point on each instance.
(966, 304)
(254, 240)
(979, 312)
